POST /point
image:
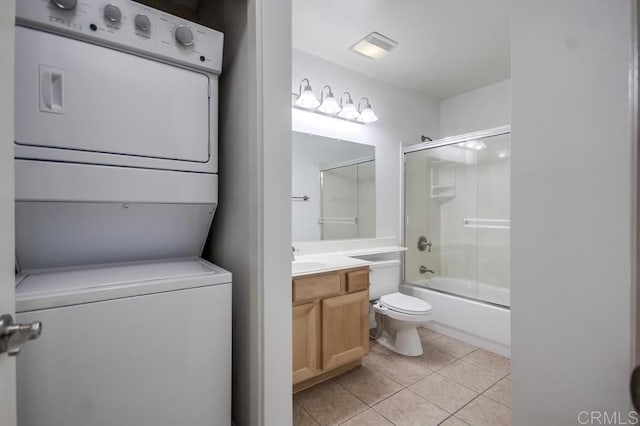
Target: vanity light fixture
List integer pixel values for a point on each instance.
(344, 109)
(366, 115)
(306, 98)
(349, 110)
(328, 105)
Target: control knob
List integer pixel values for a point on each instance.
(65, 4)
(184, 35)
(112, 13)
(142, 21)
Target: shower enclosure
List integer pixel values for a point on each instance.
(457, 216)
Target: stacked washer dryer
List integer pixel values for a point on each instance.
(116, 187)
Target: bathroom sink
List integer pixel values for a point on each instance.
(311, 264)
(304, 266)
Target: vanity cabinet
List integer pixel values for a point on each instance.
(306, 344)
(330, 324)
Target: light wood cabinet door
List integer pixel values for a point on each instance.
(306, 341)
(345, 331)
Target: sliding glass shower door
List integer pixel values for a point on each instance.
(457, 218)
(348, 201)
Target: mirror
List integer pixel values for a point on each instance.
(333, 189)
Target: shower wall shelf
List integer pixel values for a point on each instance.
(443, 180)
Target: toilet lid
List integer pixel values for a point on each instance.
(405, 304)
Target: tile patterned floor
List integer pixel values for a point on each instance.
(452, 383)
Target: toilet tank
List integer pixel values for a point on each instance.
(384, 277)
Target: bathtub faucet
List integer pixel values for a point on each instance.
(424, 270)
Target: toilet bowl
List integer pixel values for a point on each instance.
(400, 315)
(397, 315)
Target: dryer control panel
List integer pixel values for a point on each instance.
(128, 26)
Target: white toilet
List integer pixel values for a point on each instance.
(397, 314)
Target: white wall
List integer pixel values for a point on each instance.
(572, 169)
(480, 109)
(309, 153)
(7, 259)
(274, 139)
(251, 234)
(403, 117)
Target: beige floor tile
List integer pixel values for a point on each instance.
(453, 421)
(489, 361)
(426, 334)
(397, 367)
(443, 392)
(329, 403)
(484, 412)
(379, 349)
(433, 359)
(408, 409)
(451, 346)
(368, 385)
(368, 418)
(500, 392)
(469, 375)
(301, 417)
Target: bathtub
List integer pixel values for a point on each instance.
(470, 289)
(486, 325)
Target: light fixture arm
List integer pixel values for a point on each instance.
(350, 100)
(367, 105)
(307, 87)
(329, 93)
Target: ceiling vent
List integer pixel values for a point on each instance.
(374, 46)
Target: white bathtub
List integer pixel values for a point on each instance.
(474, 290)
(481, 324)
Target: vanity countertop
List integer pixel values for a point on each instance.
(373, 251)
(318, 263)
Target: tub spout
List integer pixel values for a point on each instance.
(424, 270)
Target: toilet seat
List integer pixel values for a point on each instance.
(404, 304)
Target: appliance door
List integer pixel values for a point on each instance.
(79, 97)
(157, 359)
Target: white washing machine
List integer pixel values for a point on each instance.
(116, 166)
(142, 344)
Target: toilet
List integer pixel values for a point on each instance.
(397, 315)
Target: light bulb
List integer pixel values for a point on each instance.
(307, 99)
(329, 105)
(367, 116)
(349, 111)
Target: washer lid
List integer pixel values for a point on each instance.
(44, 289)
(405, 304)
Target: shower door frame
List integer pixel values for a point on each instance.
(450, 140)
(333, 166)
